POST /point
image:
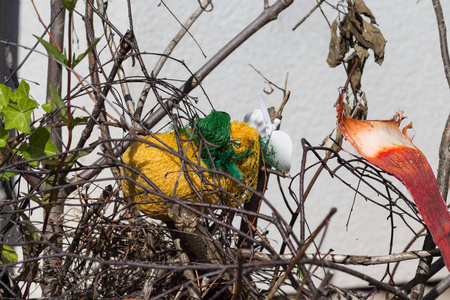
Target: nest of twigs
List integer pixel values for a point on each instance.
(128, 243)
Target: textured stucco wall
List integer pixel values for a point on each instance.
(411, 79)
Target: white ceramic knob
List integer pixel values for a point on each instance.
(282, 144)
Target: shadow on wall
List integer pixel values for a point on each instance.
(9, 32)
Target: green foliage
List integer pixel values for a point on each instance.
(47, 107)
(5, 95)
(53, 51)
(8, 255)
(17, 113)
(69, 4)
(39, 144)
(7, 175)
(62, 57)
(16, 109)
(299, 274)
(4, 135)
(59, 104)
(76, 61)
(77, 121)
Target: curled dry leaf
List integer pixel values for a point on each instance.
(361, 8)
(355, 31)
(339, 46)
(376, 39)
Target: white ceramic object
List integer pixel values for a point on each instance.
(256, 120)
(279, 140)
(282, 144)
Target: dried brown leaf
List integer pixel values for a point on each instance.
(373, 35)
(361, 8)
(366, 34)
(362, 54)
(339, 46)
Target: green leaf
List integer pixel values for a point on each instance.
(4, 135)
(80, 57)
(9, 254)
(16, 118)
(47, 107)
(25, 151)
(77, 121)
(21, 96)
(7, 175)
(39, 147)
(40, 144)
(299, 274)
(69, 4)
(37, 199)
(17, 113)
(74, 156)
(59, 103)
(53, 51)
(5, 95)
(22, 91)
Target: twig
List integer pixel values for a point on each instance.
(50, 34)
(54, 78)
(113, 49)
(239, 278)
(268, 15)
(439, 289)
(269, 82)
(346, 259)
(125, 47)
(443, 173)
(405, 249)
(299, 255)
(379, 284)
(307, 15)
(435, 267)
(442, 38)
(162, 60)
(325, 281)
(366, 260)
(189, 274)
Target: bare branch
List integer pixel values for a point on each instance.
(269, 14)
(162, 60)
(346, 259)
(442, 29)
(439, 289)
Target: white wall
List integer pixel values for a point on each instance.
(411, 79)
